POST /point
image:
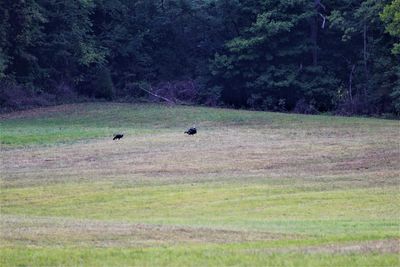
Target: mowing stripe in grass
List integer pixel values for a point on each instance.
(259, 206)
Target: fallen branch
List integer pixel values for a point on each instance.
(156, 95)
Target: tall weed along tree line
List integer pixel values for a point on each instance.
(305, 55)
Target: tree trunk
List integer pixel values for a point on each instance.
(350, 92)
(318, 6)
(365, 57)
(314, 34)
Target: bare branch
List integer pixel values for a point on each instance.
(324, 20)
(318, 3)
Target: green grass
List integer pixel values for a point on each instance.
(262, 207)
(251, 189)
(93, 120)
(179, 256)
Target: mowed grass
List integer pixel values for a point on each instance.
(251, 189)
(231, 206)
(87, 121)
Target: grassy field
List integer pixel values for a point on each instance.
(250, 189)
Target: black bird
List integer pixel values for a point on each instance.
(118, 136)
(191, 131)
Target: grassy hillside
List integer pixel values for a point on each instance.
(251, 188)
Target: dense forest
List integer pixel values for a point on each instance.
(309, 56)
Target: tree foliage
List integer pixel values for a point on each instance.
(306, 55)
(391, 16)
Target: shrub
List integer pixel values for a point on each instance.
(16, 97)
(103, 86)
(303, 107)
(65, 93)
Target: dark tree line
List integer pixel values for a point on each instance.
(306, 56)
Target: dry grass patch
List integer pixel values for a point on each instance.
(53, 231)
(172, 157)
(376, 246)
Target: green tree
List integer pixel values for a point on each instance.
(265, 54)
(21, 34)
(70, 48)
(273, 61)
(391, 17)
(371, 69)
